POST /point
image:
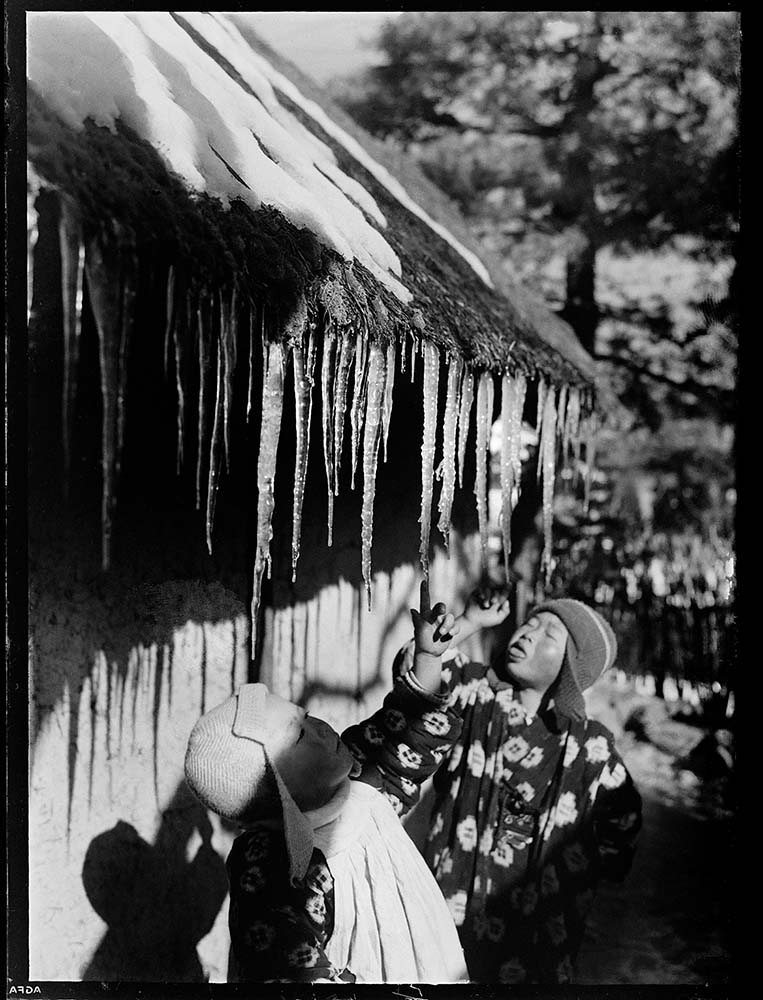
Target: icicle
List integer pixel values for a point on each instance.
(570, 440)
(229, 330)
(328, 379)
(547, 459)
(346, 354)
(561, 415)
(431, 381)
(542, 389)
(371, 434)
(465, 410)
(270, 428)
(590, 457)
(170, 317)
(518, 401)
(105, 299)
(251, 364)
(32, 234)
(304, 371)
(414, 349)
(358, 398)
(128, 276)
(402, 354)
(72, 274)
(204, 357)
(562, 402)
(484, 421)
(445, 504)
(214, 445)
(179, 369)
(512, 403)
(389, 381)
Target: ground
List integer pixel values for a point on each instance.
(669, 923)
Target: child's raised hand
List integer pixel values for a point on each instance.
(434, 628)
(487, 607)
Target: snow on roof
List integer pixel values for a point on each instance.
(221, 137)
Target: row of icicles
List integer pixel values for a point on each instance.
(349, 360)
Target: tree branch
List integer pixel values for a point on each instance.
(688, 385)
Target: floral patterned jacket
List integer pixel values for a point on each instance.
(529, 814)
(279, 931)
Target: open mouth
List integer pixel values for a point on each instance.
(517, 650)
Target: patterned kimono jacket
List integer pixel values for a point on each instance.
(529, 814)
(280, 931)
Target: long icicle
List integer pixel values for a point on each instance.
(179, 378)
(72, 277)
(518, 404)
(214, 445)
(170, 318)
(270, 429)
(465, 411)
(328, 376)
(304, 373)
(513, 390)
(389, 382)
(445, 503)
(230, 341)
(431, 383)
(547, 457)
(570, 444)
(507, 466)
(589, 429)
(561, 415)
(484, 421)
(250, 383)
(32, 234)
(203, 355)
(542, 389)
(358, 398)
(128, 291)
(105, 300)
(346, 354)
(371, 435)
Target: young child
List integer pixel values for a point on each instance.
(534, 804)
(325, 884)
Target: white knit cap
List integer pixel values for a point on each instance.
(226, 762)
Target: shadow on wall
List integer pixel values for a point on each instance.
(133, 632)
(157, 903)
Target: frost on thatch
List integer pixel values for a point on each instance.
(175, 143)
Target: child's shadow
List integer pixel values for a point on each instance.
(158, 902)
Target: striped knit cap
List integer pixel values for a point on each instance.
(591, 649)
(227, 763)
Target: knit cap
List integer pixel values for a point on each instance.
(229, 755)
(591, 649)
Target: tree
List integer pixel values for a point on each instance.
(571, 132)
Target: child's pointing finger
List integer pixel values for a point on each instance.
(424, 606)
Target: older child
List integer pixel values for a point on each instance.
(534, 804)
(326, 886)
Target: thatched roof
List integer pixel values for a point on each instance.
(181, 138)
(212, 212)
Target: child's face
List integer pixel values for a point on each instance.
(309, 755)
(536, 651)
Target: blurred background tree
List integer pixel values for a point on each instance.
(597, 153)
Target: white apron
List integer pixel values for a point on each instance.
(391, 922)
